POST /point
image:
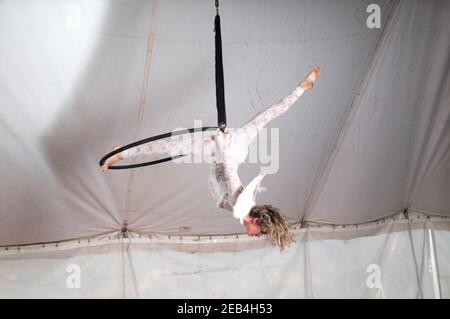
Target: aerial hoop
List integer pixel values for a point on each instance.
(220, 103)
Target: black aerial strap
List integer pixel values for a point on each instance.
(220, 87)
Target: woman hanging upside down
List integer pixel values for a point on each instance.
(229, 150)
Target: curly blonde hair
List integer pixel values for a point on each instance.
(274, 225)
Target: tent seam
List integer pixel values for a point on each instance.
(324, 171)
(144, 90)
(314, 225)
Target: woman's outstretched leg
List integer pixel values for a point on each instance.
(250, 130)
(165, 147)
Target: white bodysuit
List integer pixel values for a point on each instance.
(229, 151)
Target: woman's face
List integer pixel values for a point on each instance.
(253, 229)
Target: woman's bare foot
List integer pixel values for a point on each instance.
(308, 82)
(111, 160)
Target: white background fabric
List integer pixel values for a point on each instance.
(372, 138)
(323, 263)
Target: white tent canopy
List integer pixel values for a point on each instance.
(372, 139)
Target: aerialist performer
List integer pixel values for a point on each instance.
(230, 149)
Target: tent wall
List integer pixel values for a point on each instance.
(325, 262)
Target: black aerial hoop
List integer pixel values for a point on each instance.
(220, 102)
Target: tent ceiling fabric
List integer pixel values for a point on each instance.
(79, 77)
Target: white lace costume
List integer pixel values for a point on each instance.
(229, 151)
